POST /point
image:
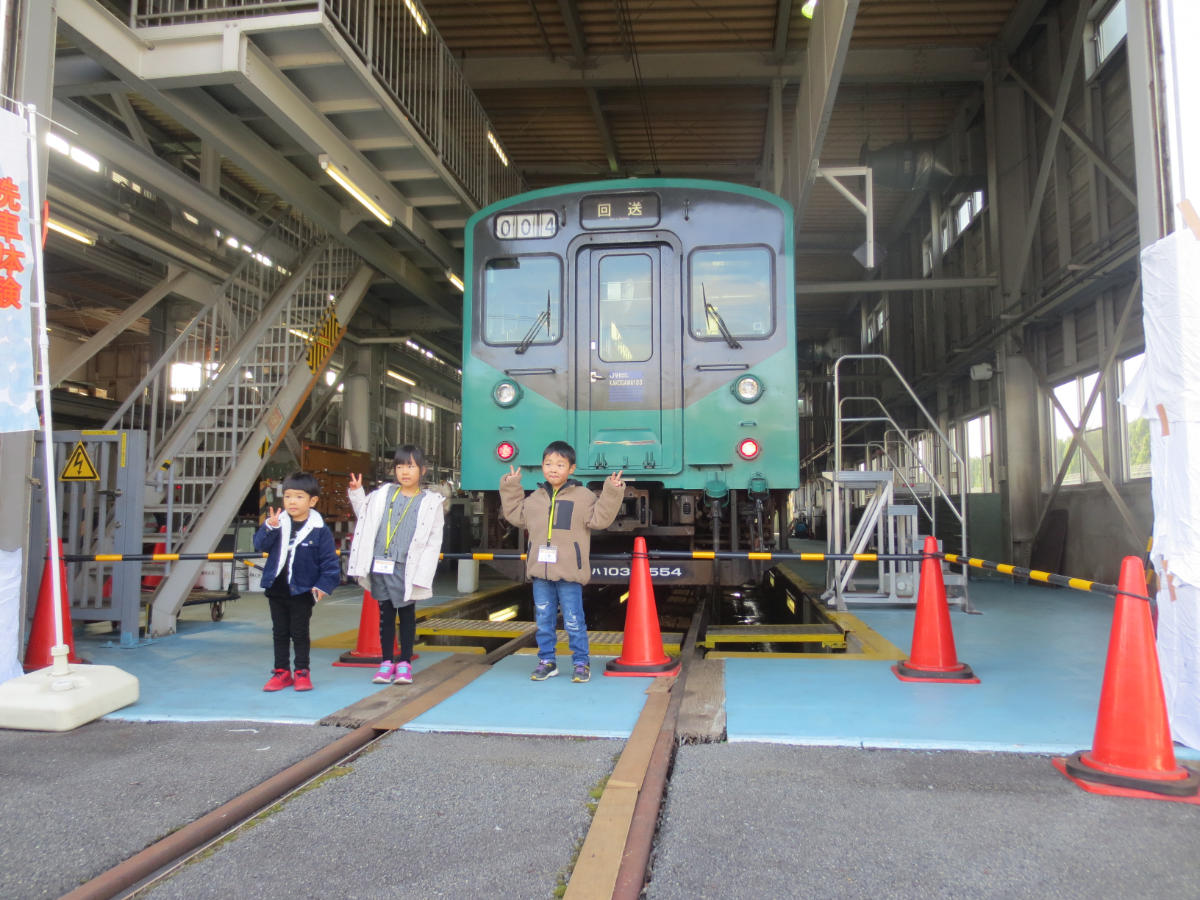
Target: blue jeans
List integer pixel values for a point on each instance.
(548, 596)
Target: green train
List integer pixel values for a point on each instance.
(650, 323)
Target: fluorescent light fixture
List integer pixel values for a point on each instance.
(191, 218)
(503, 615)
(85, 159)
(809, 7)
(330, 377)
(55, 142)
(402, 378)
(417, 17)
(70, 231)
(454, 279)
(496, 146)
(343, 180)
(300, 334)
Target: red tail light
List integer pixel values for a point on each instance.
(506, 451)
(747, 448)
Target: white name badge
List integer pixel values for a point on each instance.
(548, 554)
(383, 566)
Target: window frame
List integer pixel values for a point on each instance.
(772, 292)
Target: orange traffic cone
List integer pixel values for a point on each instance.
(367, 651)
(150, 582)
(641, 649)
(41, 634)
(933, 657)
(1131, 753)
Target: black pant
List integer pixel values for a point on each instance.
(387, 630)
(290, 614)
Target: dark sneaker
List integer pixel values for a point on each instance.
(545, 669)
(582, 673)
(403, 673)
(280, 678)
(303, 681)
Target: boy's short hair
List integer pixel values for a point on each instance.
(303, 481)
(562, 448)
(409, 453)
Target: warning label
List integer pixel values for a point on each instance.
(79, 466)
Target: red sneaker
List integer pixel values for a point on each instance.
(303, 682)
(280, 678)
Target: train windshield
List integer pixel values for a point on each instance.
(522, 300)
(731, 290)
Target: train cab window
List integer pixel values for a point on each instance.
(731, 291)
(522, 300)
(625, 306)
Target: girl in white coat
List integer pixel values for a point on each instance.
(394, 555)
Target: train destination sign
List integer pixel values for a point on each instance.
(619, 210)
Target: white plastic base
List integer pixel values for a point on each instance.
(45, 701)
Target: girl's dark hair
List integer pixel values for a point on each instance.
(303, 481)
(410, 453)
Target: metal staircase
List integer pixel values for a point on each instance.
(227, 388)
(885, 509)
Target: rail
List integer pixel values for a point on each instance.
(404, 51)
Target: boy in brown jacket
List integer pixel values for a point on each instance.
(558, 516)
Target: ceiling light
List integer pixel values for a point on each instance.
(400, 377)
(300, 334)
(354, 190)
(809, 7)
(454, 279)
(417, 17)
(85, 159)
(496, 146)
(75, 234)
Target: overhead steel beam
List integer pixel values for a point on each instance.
(828, 43)
(895, 285)
(606, 138)
(1070, 64)
(1020, 20)
(62, 369)
(570, 16)
(1090, 150)
(163, 178)
(783, 24)
(877, 65)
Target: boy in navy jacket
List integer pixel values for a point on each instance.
(302, 567)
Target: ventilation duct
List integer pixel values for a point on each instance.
(912, 165)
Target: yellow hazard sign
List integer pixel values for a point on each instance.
(79, 466)
(322, 345)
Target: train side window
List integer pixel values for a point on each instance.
(731, 286)
(625, 307)
(522, 300)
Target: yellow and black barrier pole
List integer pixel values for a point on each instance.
(1078, 584)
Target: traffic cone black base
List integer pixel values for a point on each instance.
(960, 675)
(1185, 790)
(616, 667)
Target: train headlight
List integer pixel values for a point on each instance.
(747, 388)
(748, 448)
(506, 394)
(506, 451)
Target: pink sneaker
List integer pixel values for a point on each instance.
(385, 673)
(403, 673)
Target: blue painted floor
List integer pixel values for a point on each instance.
(1039, 653)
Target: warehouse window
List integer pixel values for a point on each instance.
(1072, 395)
(1135, 435)
(979, 454)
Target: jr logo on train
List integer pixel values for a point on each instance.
(650, 323)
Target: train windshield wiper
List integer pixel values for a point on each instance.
(542, 319)
(712, 313)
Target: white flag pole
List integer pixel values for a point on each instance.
(60, 650)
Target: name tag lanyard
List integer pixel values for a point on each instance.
(389, 530)
(550, 524)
